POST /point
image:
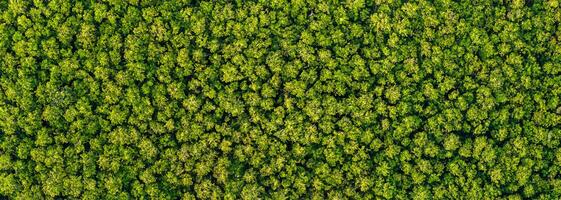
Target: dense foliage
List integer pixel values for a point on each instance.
(349, 99)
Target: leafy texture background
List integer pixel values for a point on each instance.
(304, 99)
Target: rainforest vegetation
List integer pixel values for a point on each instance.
(280, 99)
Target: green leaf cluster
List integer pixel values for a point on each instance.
(300, 99)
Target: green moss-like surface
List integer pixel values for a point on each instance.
(307, 99)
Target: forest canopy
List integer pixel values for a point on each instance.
(259, 99)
